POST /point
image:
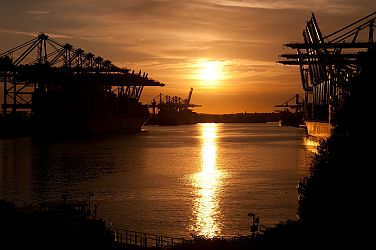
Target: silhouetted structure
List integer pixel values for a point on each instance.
(173, 110)
(327, 65)
(292, 114)
(66, 90)
(334, 205)
(54, 225)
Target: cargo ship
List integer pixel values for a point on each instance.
(66, 91)
(89, 112)
(291, 113)
(330, 67)
(173, 110)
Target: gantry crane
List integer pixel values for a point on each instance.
(292, 115)
(329, 63)
(171, 110)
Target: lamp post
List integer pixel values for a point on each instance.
(255, 223)
(89, 195)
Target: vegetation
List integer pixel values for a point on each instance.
(335, 198)
(28, 227)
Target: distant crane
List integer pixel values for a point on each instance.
(175, 103)
(189, 96)
(292, 115)
(172, 110)
(298, 105)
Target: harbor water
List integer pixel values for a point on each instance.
(200, 179)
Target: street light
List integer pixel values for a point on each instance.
(255, 223)
(89, 195)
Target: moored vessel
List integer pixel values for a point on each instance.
(66, 91)
(173, 110)
(292, 114)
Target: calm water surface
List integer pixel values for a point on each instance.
(197, 179)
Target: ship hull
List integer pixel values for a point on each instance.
(117, 124)
(173, 118)
(57, 127)
(291, 119)
(318, 130)
(86, 113)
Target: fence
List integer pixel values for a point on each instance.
(134, 238)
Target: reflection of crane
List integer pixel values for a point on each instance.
(292, 115)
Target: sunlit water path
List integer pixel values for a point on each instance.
(197, 179)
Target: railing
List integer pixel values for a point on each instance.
(134, 238)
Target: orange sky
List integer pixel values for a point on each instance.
(172, 39)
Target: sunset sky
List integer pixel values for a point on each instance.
(225, 49)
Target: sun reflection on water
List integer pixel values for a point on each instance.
(207, 184)
(311, 145)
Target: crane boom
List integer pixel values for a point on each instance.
(189, 96)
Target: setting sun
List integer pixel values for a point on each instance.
(209, 71)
